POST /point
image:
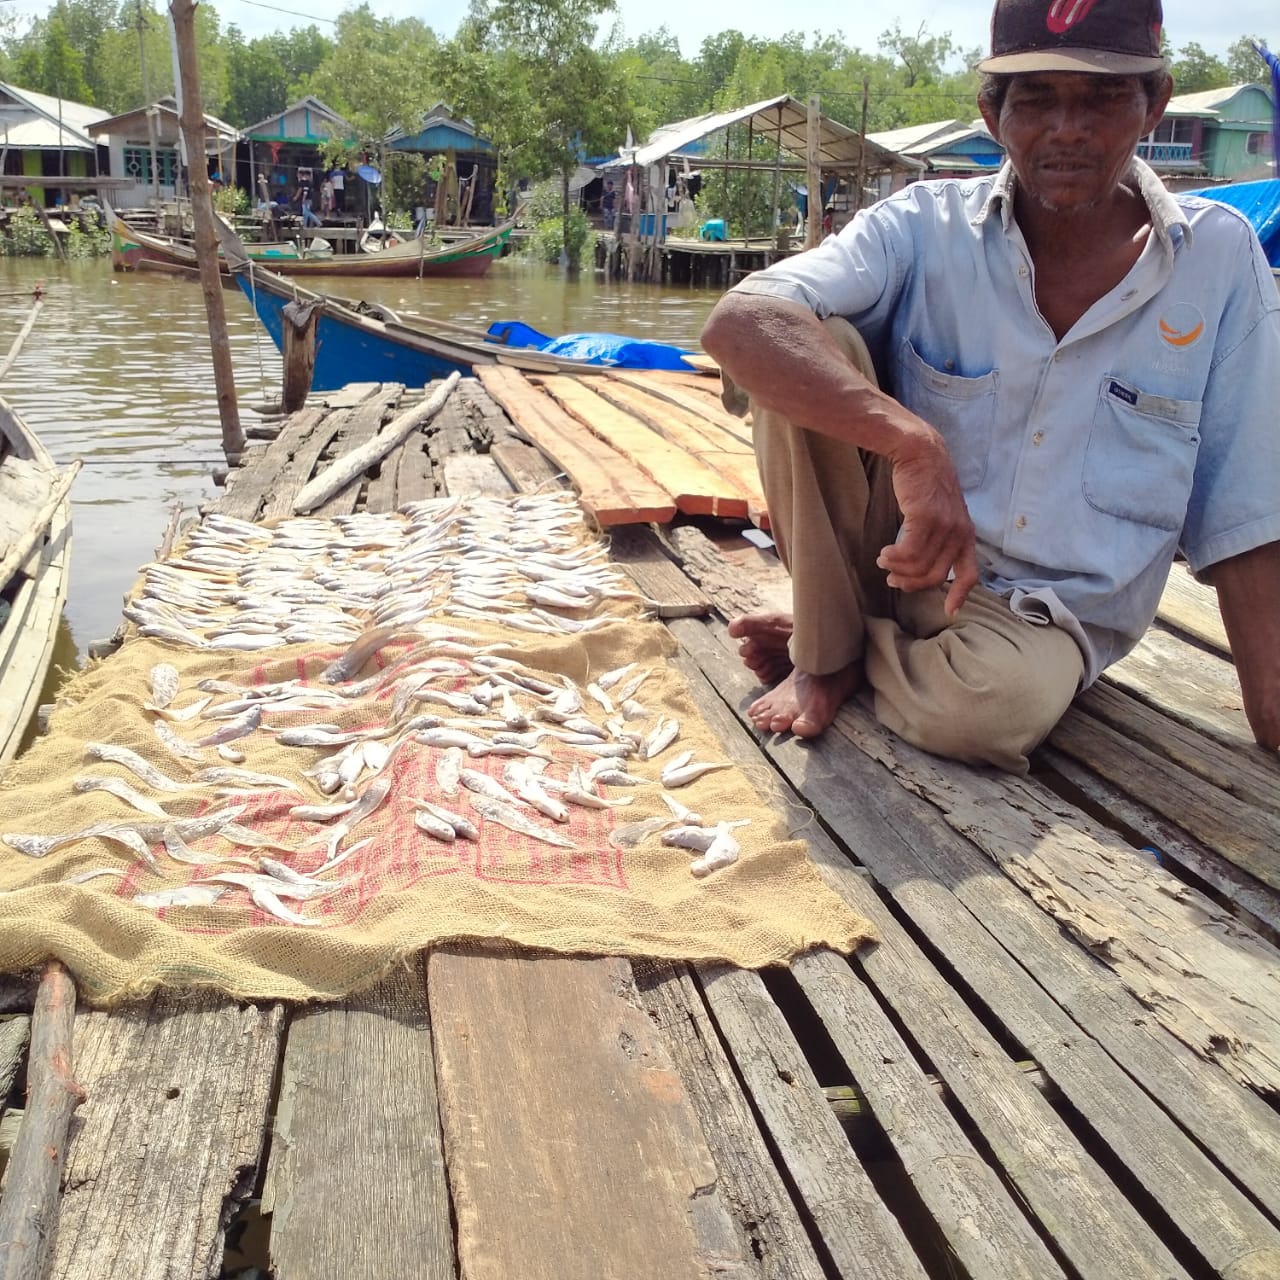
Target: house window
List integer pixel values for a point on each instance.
(137, 165)
(1174, 129)
(1257, 144)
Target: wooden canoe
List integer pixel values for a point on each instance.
(35, 553)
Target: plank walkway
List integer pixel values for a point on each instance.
(1062, 1060)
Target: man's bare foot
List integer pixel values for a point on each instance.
(764, 639)
(805, 704)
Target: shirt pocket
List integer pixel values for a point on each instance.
(1141, 456)
(961, 409)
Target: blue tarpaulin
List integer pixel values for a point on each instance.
(593, 348)
(1260, 203)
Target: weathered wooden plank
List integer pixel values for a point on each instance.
(475, 473)
(1239, 888)
(610, 487)
(858, 1230)
(890, 830)
(732, 590)
(414, 475)
(355, 1183)
(248, 484)
(698, 490)
(1197, 688)
(347, 397)
(698, 395)
(749, 1179)
(658, 577)
(572, 1148)
(1192, 607)
(526, 467)
(362, 425)
(178, 1092)
(1233, 827)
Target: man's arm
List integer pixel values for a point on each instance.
(1248, 589)
(779, 352)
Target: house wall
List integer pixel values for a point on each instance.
(1227, 139)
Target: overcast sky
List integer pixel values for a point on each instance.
(1214, 26)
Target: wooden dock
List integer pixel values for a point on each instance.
(1060, 1062)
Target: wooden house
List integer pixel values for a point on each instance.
(143, 147)
(49, 138)
(286, 148)
(464, 192)
(946, 148)
(1219, 135)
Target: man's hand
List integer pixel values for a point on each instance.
(937, 534)
(1249, 597)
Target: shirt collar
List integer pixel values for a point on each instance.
(1166, 213)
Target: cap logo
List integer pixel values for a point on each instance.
(1064, 14)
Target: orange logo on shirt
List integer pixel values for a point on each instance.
(1182, 326)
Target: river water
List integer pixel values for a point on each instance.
(117, 371)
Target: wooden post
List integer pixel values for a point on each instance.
(299, 350)
(813, 173)
(183, 13)
(862, 141)
(779, 242)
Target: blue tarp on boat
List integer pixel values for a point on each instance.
(611, 349)
(1260, 203)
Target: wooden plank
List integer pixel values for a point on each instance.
(526, 467)
(355, 1184)
(354, 393)
(724, 452)
(249, 483)
(698, 490)
(1198, 689)
(671, 410)
(660, 580)
(173, 1124)
(361, 426)
(572, 1148)
(1192, 607)
(857, 1229)
(947, 894)
(1230, 825)
(415, 478)
(697, 394)
(751, 1182)
(611, 488)
(474, 473)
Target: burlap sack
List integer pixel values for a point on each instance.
(404, 890)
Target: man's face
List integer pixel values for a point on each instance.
(1071, 135)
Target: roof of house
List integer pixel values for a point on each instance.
(1208, 102)
(782, 120)
(262, 129)
(168, 105)
(921, 139)
(442, 128)
(36, 120)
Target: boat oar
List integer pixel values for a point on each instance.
(25, 544)
(338, 476)
(37, 303)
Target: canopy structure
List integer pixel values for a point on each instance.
(782, 121)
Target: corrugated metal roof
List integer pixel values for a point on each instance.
(30, 120)
(782, 120)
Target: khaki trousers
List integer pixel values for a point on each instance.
(984, 687)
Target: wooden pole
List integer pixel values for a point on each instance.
(29, 1210)
(37, 301)
(862, 141)
(299, 350)
(183, 13)
(813, 172)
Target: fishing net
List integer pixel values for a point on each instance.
(393, 889)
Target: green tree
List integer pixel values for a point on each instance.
(1195, 70)
(1244, 66)
(257, 83)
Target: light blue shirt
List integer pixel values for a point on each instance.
(1086, 463)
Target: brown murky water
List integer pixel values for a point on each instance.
(117, 371)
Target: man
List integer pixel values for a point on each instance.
(1085, 371)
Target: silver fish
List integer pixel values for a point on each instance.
(189, 895)
(245, 642)
(233, 729)
(230, 754)
(524, 783)
(663, 734)
(723, 851)
(699, 839)
(180, 851)
(317, 735)
(461, 825)
(601, 697)
(40, 846)
(119, 788)
(610, 678)
(227, 776)
(507, 816)
(361, 651)
(448, 771)
(481, 784)
(83, 877)
(178, 715)
(177, 747)
(629, 689)
(443, 737)
(434, 826)
(164, 684)
(682, 775)
(681, 813)
(374, 794)
(135, 764)
(265, 900)
(300, 890)
(321, 812)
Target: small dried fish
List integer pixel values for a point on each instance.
(177, 747)
(230, 754)
(180, 715)
(510, 817)
(723, 851)
(119, 788)
(233, 729)
(681, 775)
(682, 813)
(364, 647)
(524, 783)
(265, 900)
(663, 734)
(83, 877)
(434, 826)
(220, 776)
(40, 846)
(481, 784)
(135, 764)
(610, 678)
(460, 824)
(630, 835)
(448, 771)
(189, 895)
(321, 812)
(164, 685)
(601, 697)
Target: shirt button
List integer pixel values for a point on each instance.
(1038, 437)
(1057, 355)
(1021, 522)
(950, 364)
(1023, 271)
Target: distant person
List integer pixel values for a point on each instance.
(326, 196)
(339, 179)
(608, 202)
(309, 218)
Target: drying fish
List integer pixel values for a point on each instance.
(177, 747)
(300, 889)
(233, 729)
(610, 678)
(265, 900)
(244, 642)
(633, 833)
(524, 784)
(135, 764)
(449, 770)
(629, 689)
(316, 735)
(374, 794)
(460, 824)
(436, 827)
(189, 895)
(180, 715)
(681, 813)
(361, 651)
(321, 812)
(227, 776)
(481, 784)
(664, 733)
(508, 816)
(443, 737)
(723, 851)
(512, 716)
(164, 685)
(119, 788)
(633, 710)
(681, 775)
(40, 846)
(180, 851)
(699, 839)
(601, 697)
(580, 791)
(83, 877)
(230, 754)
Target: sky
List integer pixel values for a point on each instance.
(1213, 26)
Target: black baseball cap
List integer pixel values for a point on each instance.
(1114, 37)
